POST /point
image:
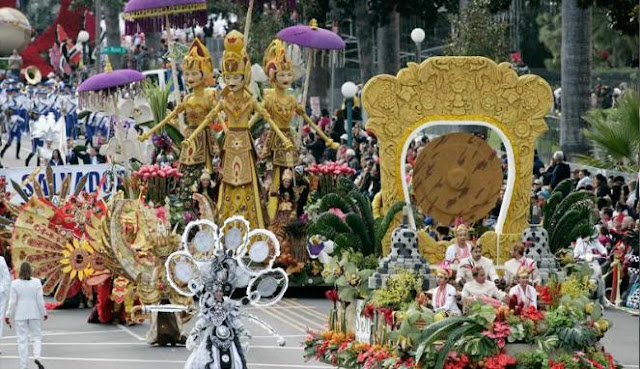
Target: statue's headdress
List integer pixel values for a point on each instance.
(235, 60)
(275, 60)
(198, 57)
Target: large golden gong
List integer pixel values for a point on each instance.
(457, 176)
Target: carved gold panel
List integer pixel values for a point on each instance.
(460, 89)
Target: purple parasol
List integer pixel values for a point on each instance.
(155, 15)
(312, 36)
(111, 79)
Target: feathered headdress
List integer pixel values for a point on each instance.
(276, 60)
(198, 57)
(235, 60)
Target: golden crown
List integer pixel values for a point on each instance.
(235, 59)
(275, 59)
(198, 57)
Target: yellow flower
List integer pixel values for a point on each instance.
(76, 259)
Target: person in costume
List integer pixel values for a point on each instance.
(238, 193)
(476, 258)
(479, 289)
(15, 132)
(444, 295)
(461, 248)
(282, 107)
(517, 261)
(5, 284)
(197, 152)
(525, 294)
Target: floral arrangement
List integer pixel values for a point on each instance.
(564, 336)
(329, 173)
(162, 141)
(157, 180)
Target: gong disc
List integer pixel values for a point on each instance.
(457, 175)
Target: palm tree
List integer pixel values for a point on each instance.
(576, 76)
(389, 45)
(615, 134)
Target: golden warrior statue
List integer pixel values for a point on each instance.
(282, 106)
(238, 193)
(198, 153)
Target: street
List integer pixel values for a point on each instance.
(69, 342)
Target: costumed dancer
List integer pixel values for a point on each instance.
(461, 249)
(444, 295)
(238, 193)
(26, 309)
(518, 260)
(198, 152)
(523, 292)
(282, 107)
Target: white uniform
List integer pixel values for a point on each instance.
(5, 284)
(26, 309)
(526, 296)
(445, 300)
(488, 289)
(455, 254)
(467, 264)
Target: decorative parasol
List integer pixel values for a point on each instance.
(313, 37)
(156, 15)
(95, 91)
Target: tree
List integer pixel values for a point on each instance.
(575, 75)
(615, 134)
(477, 32)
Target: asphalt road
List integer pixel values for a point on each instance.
(69, 342)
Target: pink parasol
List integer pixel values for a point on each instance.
(155, 15)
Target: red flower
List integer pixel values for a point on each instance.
(368, 310)
(554, 365)
(532, 313)
(456, 362)
(388, 315)
(499, 361)
(332, 295)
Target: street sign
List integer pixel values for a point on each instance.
(113, 50)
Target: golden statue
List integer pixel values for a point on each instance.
(238, 193)
(198, 153)
(282, 106)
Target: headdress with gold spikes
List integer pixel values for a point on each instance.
(235, 60)
(275, 60)
(524, 270)
(198, 57)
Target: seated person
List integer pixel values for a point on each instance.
(588, 245)
(476, 259)
(461, 249)
(444, 295)
(480, 289)
(525, 293)
(518, 260)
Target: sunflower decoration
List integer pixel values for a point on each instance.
(77, 259)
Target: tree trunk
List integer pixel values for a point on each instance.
(389, 45)
(364, 33)
(320, 78)
(111, 11)
(576, 76)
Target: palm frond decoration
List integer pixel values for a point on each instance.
(158, 98)
(615, 134)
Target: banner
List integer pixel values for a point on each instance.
(94, 174)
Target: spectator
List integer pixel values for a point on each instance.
(538, 165)
(561, 169)
(15, 64)
(601, 186)
(584, 179)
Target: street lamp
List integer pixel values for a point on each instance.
(349, 90)
(417, 36)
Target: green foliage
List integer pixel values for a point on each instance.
(158, 98)
(550, 35)
(567, 218)
(565, 187)
(550, 208)
(533, 360)
(402, 288)
(477, 32)
(350, 274)
(616, 134)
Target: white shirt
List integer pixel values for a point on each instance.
(466, 264)
(5, 277)
(455, 254)
(26, 300)
(511, 269)
(488, 288)
(446, 302)
(527, 296)
(588, 246)
(584, 182)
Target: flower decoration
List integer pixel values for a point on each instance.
(331, 168)
(77, 258)
(147, 172)
(320, 249)
(500, 361)
(162, 141)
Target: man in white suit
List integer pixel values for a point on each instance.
(5, 283)
(26, 308)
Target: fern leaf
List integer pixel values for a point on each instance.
(357, 225)
(550, 208)
(332, 200)
(388, 219)
(565, 187)
(567, 203)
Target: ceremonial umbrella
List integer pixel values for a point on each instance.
(313, 37)
(156, 15)
(94, 91)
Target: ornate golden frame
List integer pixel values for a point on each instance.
(461, 89)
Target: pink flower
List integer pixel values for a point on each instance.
(338, 213)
